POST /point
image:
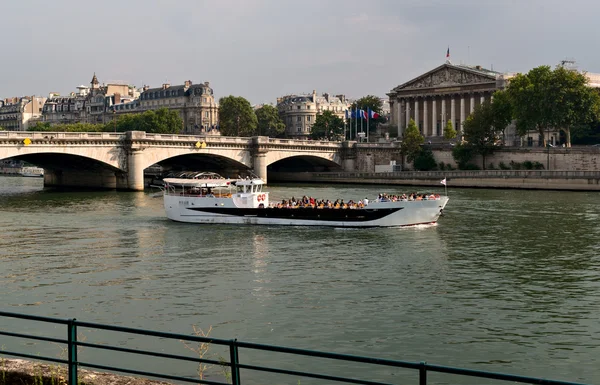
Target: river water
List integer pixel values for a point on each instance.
(507, 281)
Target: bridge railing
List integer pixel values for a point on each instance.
(233, 363)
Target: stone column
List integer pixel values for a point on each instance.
(482, 98)
(399, 119)
(417, 112)
(472, 103)
(443, 118)
(407, 112)
(453, 112)
(433, 117)
(462, 110)
(425, 127)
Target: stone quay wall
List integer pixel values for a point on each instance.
(556, 158)
(510, 179)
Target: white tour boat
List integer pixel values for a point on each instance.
(32, 171)
(210, 198)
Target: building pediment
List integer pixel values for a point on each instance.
(448, 75)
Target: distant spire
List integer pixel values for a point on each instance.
(95, 79)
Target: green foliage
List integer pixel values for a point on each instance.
(449, 131)
(327, 126)
(462, 154)
(425, 161)
(545, 98)
(538, 166)
(269, 123)
(70, 127)
(479, 130)
(375, 104)
(236, 117)
(503, 166)
(1, 128)
(161, 121)
(411, 141)
(501, 112)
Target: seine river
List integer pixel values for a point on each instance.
(507, 281)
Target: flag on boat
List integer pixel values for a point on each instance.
(372, 114)
(448, 52)
(443, 181)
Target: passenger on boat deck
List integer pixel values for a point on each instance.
(366, 201)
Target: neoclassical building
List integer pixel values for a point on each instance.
(298, 112)
(448, 92)
(16, 114)
(195, 103)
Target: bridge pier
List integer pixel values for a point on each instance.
(135, 170)
(259, 157)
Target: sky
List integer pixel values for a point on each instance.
(263, 49)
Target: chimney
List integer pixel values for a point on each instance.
(145, 88)
(117, 98)
(207, 84)
(166, 85)
(314, 96)
(478, 67)
(326, 95)
(187, 83)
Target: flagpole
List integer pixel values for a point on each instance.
(355, 122)
(368, 116)
(445, 186)
(361, 122)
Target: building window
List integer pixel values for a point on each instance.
(206, 114)
(308, 118)
(299, 107)
(299, 119)
(204, 100)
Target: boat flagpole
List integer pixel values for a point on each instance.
(445, 185)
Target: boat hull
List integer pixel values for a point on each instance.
(377, 214)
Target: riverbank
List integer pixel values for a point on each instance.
(505, 179)
(16, 371)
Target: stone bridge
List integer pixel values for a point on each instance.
(118, 160)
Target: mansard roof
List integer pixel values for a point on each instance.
(448, 75)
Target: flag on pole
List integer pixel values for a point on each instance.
(448, 52)
(443, 181)
(372, 114)
(348, 114)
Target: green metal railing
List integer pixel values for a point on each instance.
(234, 363)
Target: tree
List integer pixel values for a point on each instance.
(479, 131)
(269, 122)
(365, 103)
(425, 161)
(574, 104)
(236, 117)
(501, 113)
(327, 126)
(545, 98)
(411, 141)
(161, 121)
(529, 96)
(449, 131)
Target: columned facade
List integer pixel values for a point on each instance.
(448, 92)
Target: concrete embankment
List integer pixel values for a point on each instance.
(506, 179)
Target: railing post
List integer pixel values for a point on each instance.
(423, 373)
(234, 359)
(72, 351)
